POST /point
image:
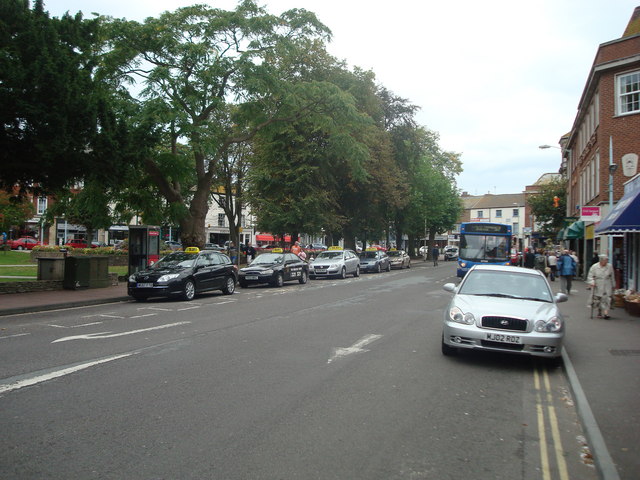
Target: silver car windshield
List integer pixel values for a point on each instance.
(176, 260)
(328, 255)
(268, 259)
(506, 284)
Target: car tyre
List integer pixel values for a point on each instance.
(448, 350)
(304, 277)
(189, 291)
(388, 267)
(229, 286)
(343, 273)
(357, 272)
(20, 247)
(378, 268)
(278, 281)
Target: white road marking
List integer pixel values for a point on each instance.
(102, 335)
(188, 308)
(7, 387)
(355, 348)
(16, 335)
(144, 315)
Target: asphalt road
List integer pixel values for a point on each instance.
(336, 379)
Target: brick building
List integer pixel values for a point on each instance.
(600, 153)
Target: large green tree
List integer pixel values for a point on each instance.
(211, 78)
(549, 206)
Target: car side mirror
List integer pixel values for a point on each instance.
(560, 297)
(449, 287)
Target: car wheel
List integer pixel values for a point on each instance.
(189, 290)
(304, 277)
(229, 286)
(343, 273)
(357, 272)
(448, 350)
(278, 281)
(20, 247)
(378, 268)
(243, 284)
(388, 267)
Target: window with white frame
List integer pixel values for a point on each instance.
(516, 212)
(480, 214)
(628, 93)
(42, 205)
(221, 217)
(498, 213)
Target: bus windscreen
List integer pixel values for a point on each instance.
(483, 248)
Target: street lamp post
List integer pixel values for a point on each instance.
(612, 170)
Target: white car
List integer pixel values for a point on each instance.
(335, 262)
(506, 309)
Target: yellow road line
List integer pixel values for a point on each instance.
(544, 458)
(555, 431)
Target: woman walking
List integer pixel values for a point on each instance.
(602, 280)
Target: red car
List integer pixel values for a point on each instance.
(78, 243)
(23, 243)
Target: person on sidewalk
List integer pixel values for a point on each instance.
(529, 258)
(566, 270)
(552, 261)
(602, 280)
(435, 253)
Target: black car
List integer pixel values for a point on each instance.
(374, 260)
(183, 274)
(274, 268)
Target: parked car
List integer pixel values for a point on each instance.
(335, 262)
(173, 245)
(274, 268)
(504, 309)
(374, 260)
(23, 243)
(185, 274)
(399, 259)
(78, 243)
(450, 253)
(96, 244)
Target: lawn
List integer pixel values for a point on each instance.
(15, 257)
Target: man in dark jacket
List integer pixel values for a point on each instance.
(529, 259)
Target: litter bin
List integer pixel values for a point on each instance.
(50, 268)
(76, 273)
(99, 272)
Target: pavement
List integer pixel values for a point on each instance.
(601, 359)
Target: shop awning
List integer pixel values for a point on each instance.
(625, 216)
(266, 237)
(575, 230)
(560, 234)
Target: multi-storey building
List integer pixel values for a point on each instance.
(600, 154)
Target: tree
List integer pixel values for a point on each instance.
(212, 78)
(49, 100)
(14, 211)
(549, 206)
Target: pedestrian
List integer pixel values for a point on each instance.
(251, 253)
(529, 258)
(435, 253)
(552, 261)
(540, 262)
(295, 249)
(602, 280)
(566, 270)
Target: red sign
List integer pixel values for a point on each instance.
(590, 214)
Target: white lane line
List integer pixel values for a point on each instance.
(74, 326)
(102, 335)
(355, 348)
(144, 315)
(7, 387)
(188, 308)
(16, 335)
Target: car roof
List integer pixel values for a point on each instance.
(505, 268)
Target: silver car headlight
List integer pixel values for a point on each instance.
(268, 271)
(132, 278)
(554, 324)
(167, 277)
(458, 316)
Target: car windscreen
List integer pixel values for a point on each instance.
(369, 255)
(176, 260)
(329, 255)
(394, 254)
(505, 284)
(268, 259)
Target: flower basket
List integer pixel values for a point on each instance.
(618, 300)
(632, 305)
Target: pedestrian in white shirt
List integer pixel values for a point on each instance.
(602, 280)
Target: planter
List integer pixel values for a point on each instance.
(618, 300)
(633, 308)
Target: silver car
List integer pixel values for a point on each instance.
(335, 262)
(505, 309)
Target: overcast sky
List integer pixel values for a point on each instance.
(495, 78)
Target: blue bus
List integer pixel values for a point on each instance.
(483, 242)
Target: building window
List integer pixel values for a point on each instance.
(221, 217)
(516, 212)
(480, 214)
(628, 93)
(498, 213)
(42, 205)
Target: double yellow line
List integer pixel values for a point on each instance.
(545, 398)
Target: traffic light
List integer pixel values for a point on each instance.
(556, 201)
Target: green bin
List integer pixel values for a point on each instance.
(76, 273)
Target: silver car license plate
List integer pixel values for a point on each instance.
(503, 338)
(144, 285)
(251, 277)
